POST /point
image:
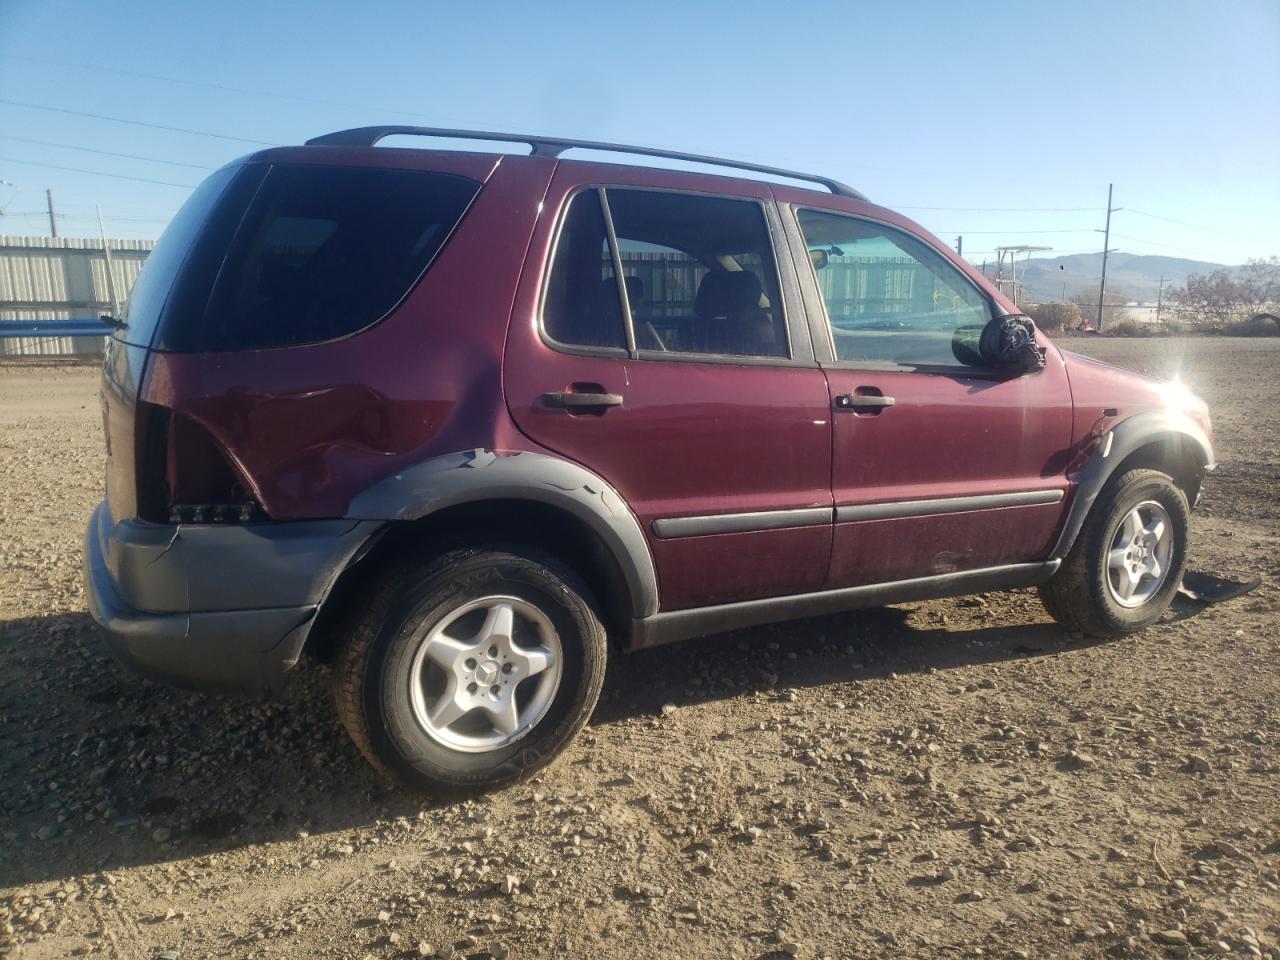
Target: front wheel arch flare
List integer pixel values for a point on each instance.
(1145, 439)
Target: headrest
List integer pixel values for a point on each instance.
(726, 294)
(635, 289)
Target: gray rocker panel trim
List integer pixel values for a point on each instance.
(701, 621)
(927, 508)
(1112, 449)
(670, 527)
(476, 475)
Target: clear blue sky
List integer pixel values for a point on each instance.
(920, 105)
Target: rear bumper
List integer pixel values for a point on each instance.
(213, 607)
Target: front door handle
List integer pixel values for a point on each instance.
(861, 401)
(564, 399)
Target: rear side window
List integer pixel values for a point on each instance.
(698, 272)
(319, 253)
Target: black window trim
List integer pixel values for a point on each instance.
(799, 344)
(820, 322)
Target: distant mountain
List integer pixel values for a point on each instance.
(1129, 275)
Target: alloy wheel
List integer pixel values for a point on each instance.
(484, 675)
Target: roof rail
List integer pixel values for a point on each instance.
(554, 146)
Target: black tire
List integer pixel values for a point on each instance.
(372, 676)
(1079, 597)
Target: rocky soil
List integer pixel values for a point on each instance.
(955, 778)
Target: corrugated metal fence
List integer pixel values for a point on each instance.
(62, 278)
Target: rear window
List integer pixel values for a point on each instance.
(206, 221)
(318, 253)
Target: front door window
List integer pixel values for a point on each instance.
(890, 298)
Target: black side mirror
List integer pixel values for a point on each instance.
(1009, 343)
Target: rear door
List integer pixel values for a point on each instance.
(661, 349)
(940, 465)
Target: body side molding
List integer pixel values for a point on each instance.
(477, 475)
(671, 527)
(683, 624)
(1111, 450)
(926, 508)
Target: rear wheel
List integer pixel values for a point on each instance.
(1128, 560)
(472, 671)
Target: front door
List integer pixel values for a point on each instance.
(662, 351)
(939, 465)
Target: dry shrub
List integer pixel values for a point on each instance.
(1130, 328)
(1055, 316)
(1262, 325)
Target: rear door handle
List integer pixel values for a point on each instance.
(861, 401)
(564, 399)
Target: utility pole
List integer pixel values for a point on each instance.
(1159, 298)
(111, 274)
(1106, 249)
(53, 222)
(959, 246)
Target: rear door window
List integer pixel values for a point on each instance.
(698, 276)
(319, 253)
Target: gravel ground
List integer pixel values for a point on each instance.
(954, 778)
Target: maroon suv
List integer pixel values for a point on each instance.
(455, 419)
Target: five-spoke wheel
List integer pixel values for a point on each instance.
(1138, 560)
(485, 674)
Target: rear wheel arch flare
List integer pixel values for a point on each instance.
(529, 498)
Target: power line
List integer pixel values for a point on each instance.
(98, 173)
(107, 153)
(75, 218)
(1155, 243)
(231, 89)
(136, 123)
(1183, 223)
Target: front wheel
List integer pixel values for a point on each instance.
(1126, 565)
(473, 671)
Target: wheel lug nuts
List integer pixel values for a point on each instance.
(471, 663)
(472, 688)
(495, 690)
(506, 668)
(493, 651)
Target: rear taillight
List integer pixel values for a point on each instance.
(184, 475)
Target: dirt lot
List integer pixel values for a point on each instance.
(956, 778)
